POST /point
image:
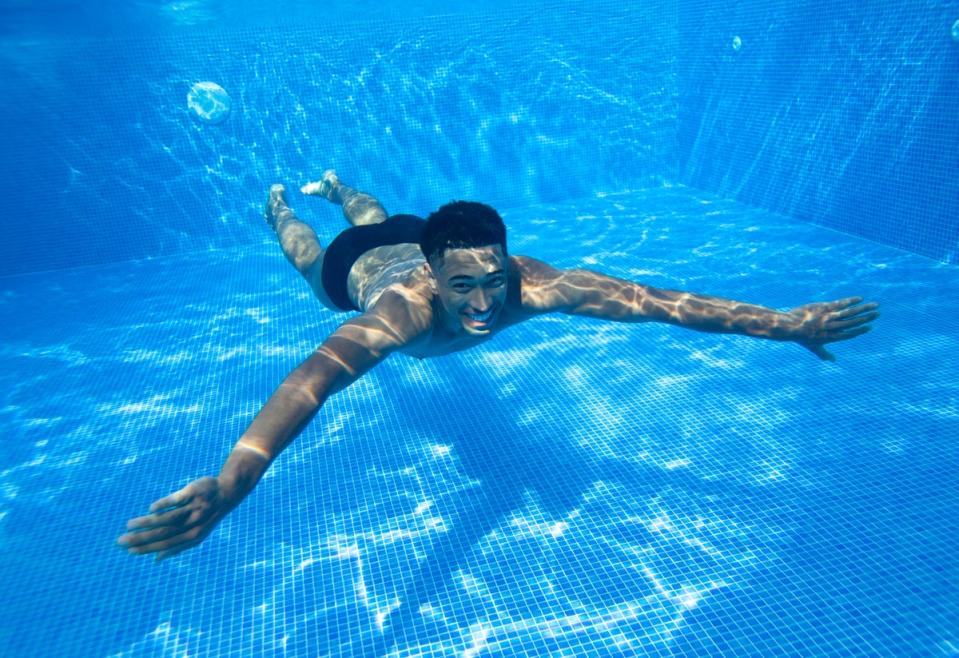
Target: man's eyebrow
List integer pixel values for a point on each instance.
(469, 278)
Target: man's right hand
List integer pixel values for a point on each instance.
(180, 521)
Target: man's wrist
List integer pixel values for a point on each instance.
(242, 470)
(796, 327)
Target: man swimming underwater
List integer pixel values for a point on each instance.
(429, 288)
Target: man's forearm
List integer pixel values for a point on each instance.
(286, 413)
(617, 299)
(354, 348)
(718, 315)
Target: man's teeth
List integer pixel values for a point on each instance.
(480, 318)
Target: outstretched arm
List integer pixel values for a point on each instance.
(590, 294)
(183, 519)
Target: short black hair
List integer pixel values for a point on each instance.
(462, 225)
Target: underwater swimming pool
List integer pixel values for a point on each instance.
(571, 488)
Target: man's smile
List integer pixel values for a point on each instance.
(481, 318)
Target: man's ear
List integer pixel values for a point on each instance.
(433, 267)
(432, 275)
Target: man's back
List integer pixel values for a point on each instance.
(379, 268)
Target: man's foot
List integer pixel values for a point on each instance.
(326, 187)
(274, 203)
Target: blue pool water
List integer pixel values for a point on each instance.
(572, 488)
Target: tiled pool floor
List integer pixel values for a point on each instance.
(572, 488)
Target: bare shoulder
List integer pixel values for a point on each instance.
(536, 286)
(533, 270)
(395, 323)
(403, 313)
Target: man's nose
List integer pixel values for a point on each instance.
(480, 300)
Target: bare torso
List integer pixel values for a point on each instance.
(402, 269)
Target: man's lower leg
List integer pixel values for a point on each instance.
(359, 208)
(299, 242)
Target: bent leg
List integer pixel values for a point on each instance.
(298, 241)
(359, 208)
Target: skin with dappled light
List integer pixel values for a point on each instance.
(457, 296)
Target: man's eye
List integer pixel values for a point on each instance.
(496, 283)
(461, 287)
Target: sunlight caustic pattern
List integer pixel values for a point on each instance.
(572, 487)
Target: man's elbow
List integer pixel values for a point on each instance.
(309, 392)
(319, 378)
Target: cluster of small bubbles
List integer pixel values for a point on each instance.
(737, 43)
(955, 31)
(209, 102)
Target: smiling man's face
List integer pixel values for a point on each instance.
(471, 286)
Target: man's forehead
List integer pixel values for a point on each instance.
(468, 256)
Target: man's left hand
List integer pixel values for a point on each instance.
(827, 322)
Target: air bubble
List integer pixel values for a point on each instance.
(737, 43)
(955, 31)
(209, 102)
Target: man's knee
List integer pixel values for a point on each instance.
(300, 245)
(362, 210)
